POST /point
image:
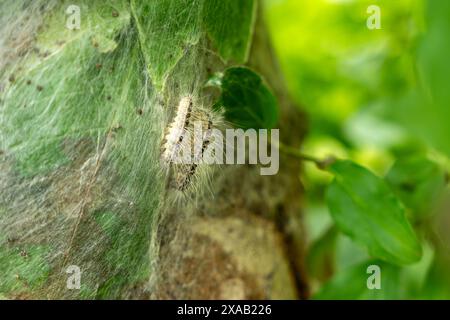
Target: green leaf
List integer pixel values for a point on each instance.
(418, 182)
(230, 26)
(352, 283)
(246, 100)
(364, 208)
(166, 28)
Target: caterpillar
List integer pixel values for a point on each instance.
(185, 176)
(178, 139)
(176, 130)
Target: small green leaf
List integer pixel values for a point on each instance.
(364, 208)
(418, 182)
(229, 24)
(246, 100)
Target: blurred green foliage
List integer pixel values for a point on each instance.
(381, 99)
(365, 208)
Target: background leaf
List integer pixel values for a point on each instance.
(418, 182)
(365, 209)
(424, 109)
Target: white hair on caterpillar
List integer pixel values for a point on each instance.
(176, 130)
(189, 178)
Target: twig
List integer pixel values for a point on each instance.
(293, 152)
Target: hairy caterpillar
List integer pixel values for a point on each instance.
(185, 176)
(177, 130)
(178, 140)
